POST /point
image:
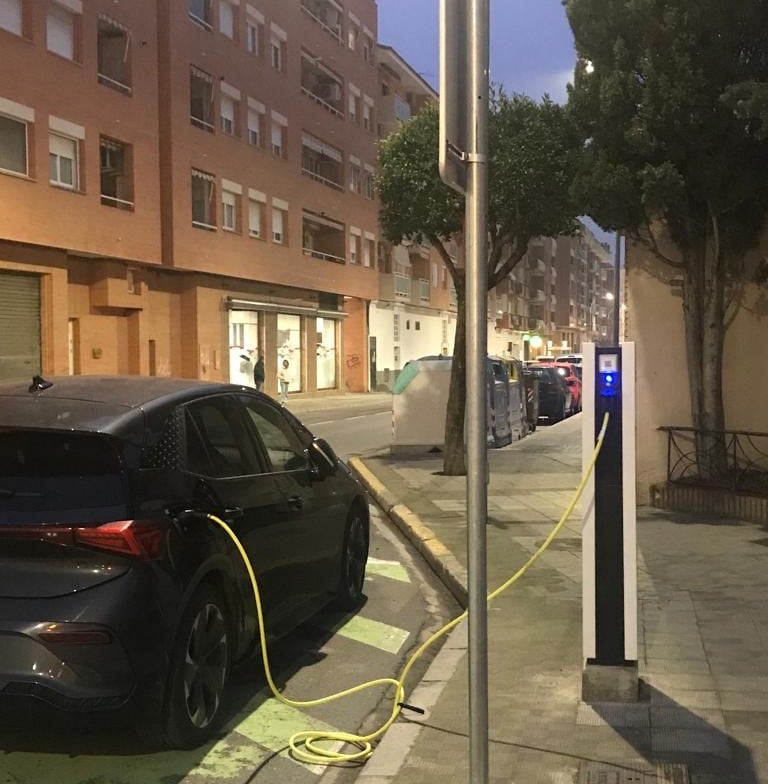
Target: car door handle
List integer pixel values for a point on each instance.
(295, 502)
(233, 512)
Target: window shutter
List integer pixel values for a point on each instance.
(61, 32)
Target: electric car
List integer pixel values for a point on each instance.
(117, 592)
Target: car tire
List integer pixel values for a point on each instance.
(354, 556)
(199, 671)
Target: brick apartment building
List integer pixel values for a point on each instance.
(187, 181)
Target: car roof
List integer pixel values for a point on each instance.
(108, 404)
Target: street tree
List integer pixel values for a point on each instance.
(668, 99)
(531, 162)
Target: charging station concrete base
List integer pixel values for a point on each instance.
(609, 683)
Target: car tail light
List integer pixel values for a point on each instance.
(142, 538)
(139, 538)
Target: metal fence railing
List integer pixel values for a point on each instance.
(732, 459)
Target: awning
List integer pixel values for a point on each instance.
(233, 303)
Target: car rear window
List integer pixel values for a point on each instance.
(60, 477)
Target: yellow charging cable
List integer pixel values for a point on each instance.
(305, 745)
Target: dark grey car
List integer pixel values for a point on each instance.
(116, 590)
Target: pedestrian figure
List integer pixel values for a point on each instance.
(258, 372)
(284, 378)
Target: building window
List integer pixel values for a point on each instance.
(13, 145)
(368, 48)
(325, 349)
(114, 55)
(116, 161)
(227, 19)
(62, 157)
(369, 184)
(201, 11)
(60, 31)
(367, 116)
(368, 252)
(354, 248)
(230, 211)
(256, 127)
(11, 18)
(278, 140)
(228, 115)
(203, 195)
(354, 105)
(255, 218)
(254, 31)
(201, 99)
(355, 178)
(353, 31)
(276, 53)
(278, 226)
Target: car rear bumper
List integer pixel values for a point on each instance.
(127, 663)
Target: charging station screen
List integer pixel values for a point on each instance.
(608, 374)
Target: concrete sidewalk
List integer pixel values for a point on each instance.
(703, 636)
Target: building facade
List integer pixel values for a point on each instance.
(186, 184)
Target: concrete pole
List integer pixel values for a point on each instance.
(477, 350)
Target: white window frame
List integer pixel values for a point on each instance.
(12, 16)
(227, 115)
(256, 205)
(255, 130)
(25, 125)
(276, 53)
(278, 225)
(227, 19)
(229, 210)
(210, 224)
(355, 178)
(277, 138)
(55, 158)
(66, 21)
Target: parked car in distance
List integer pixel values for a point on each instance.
(573, 379)
(555, 399)
(116, 591)
(573, 359)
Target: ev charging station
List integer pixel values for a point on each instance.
(609, 536)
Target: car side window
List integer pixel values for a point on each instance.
(216, 442)
(281, 442)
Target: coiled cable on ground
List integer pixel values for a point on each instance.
(320, 747)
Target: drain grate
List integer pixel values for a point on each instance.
(629, 773)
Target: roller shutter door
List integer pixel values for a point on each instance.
(19, 325)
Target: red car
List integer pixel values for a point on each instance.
(573, 379)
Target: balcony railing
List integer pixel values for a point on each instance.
(323, 180)
(736, 460)
(316, 254)
(317, 99)
(402, 286)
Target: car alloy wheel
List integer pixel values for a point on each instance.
(353, 561)
(199, 669)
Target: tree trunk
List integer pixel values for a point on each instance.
(454, 458)
(704, 311)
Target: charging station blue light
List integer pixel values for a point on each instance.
(609, 379)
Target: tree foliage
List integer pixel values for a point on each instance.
(532, 152)
(673, 153)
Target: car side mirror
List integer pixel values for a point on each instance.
(324, 459)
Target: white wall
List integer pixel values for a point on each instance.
(655, 323)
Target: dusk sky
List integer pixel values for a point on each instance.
(531, 45)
